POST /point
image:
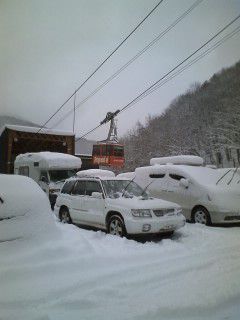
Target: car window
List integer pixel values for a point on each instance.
(157, 175)
(79, 188)
(93, 186)
(175, 176)
(67, 188)
(24, 171)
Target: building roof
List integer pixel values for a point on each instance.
(35, 130)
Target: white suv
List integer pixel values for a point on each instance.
(116, 205)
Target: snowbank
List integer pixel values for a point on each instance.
(90, 275)
(184, 160)
(24, 209)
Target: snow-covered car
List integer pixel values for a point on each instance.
(206, 195)
(116, 205)
(24, 209)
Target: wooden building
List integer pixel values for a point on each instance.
(15, 140)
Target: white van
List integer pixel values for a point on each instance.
(48, 169)
(206, 195)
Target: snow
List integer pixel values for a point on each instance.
(35, 129)
(127, 175)
(183, 159)
(51, 160)
(21, 216)
(57, 271)
(98, 173)
(91, 275)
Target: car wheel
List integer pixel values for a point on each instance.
(201, 215)
(116, 226)
(64, 216)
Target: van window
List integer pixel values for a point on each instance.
(157, 175)
(67, 188)
(176, 176)
(93, 186)
(24, 171)
(79, 188)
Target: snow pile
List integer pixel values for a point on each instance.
(99, 173)
(51, 160)
(90, 275)
(184, 159)
(24, 209)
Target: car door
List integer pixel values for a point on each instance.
(93, 207)
(76, 202)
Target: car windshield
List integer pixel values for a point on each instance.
(117, 188)
(61, 175)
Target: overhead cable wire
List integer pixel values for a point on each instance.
(129, 62)
(154, 86)
(102, 63)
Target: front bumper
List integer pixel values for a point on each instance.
(154, 225)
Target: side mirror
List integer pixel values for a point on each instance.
(184, 183)
(97, 195)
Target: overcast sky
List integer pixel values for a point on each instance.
(48, 47)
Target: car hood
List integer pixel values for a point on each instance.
(140, 203)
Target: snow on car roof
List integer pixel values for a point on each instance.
(97, 173)
(52, 160)
(202, 175)
(183, 159)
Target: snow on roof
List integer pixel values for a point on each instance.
(35, 130)
(98, 173)
(183, 159)
(51, 160)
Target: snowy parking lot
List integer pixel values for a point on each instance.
(81, 274)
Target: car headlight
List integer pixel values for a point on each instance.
(141, 213)
(178, 212)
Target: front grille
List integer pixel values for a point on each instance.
(163, 212)
(230, 218)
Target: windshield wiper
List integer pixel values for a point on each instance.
(125, 189)
(235, 171)
(144, 190)
(223, 176)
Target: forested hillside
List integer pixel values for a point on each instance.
(203, 121)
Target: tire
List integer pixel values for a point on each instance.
(116, 226)
(64, 216)
(201, 215)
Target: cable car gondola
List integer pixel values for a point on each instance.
(109, 152)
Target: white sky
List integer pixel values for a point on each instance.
(47, 48)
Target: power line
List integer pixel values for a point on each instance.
(128, 63)
(103, 62)
(157, 84)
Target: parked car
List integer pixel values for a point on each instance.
(24, 209)
(206, 195)
(48, 169)
(116, 205)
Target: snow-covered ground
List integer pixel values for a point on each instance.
(81, 274)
